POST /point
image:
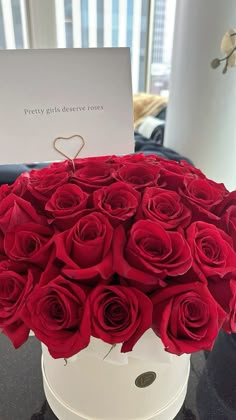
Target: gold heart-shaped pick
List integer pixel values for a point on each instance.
(60, 149)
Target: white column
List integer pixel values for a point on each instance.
(122, 23)
(76, 19)
(60, 23)
(168, 30)
(92, 23)
(42, 15)
(137, 17)
(107, 23)
(8, 24)
(25, 32)
(201, 121)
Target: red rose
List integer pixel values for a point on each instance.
(118, 201)
(65, 205)
(56, 313)
(2, 250)
(63, 166)
(224, 292)
(108, 160)
(93, 174)
(149, 254)
(14, 211)
(191, 170)
(203, 196)
(186, 317)
(14, 288)
(228, 201)
(86, 250)
(139, 158)
(138, 176)
(164, 207)
(5, 190)
(172, 175)
(211, 249)
(173, 167)
(79, 163)
(133, 158)
(19, 187)
(28, 242)
(42, 184)
(119, 314)
(169, 167)
(230, 323)
(230, 223)
(18, 267)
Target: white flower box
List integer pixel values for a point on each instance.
(90, 388)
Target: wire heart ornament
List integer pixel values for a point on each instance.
(62, 148)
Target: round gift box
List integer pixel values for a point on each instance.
(146, 384)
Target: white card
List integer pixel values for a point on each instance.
(45, 94)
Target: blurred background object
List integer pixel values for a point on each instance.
(145, 105)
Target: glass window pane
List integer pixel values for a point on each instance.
(164, 12)
(100, 23)
(68, 23)
(2, 36)
(12, 29)
(163, 31)
(16, 13)
(84, 22)
(114, 13)
(143, 45)
(130, 24)
(115, 16)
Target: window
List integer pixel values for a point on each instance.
(13, 31)
(106, 23)
(146, 26)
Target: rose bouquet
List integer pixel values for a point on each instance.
(112, 246)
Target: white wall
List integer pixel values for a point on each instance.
(201, 121)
